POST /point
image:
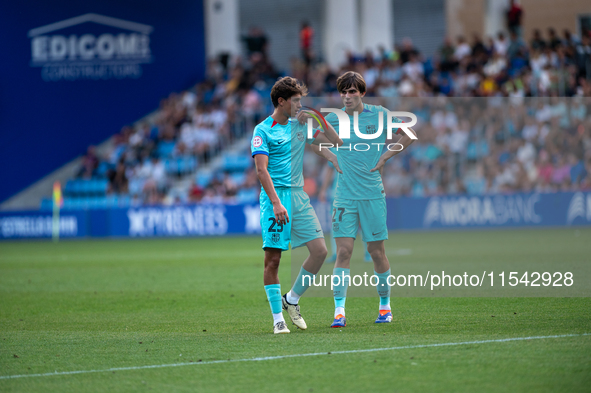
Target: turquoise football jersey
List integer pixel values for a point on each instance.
(284, 144)
(357, 182)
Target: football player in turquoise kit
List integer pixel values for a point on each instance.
(326, 195)
(286, 214)
(359, 199)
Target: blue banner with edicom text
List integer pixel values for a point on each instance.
(75, 72)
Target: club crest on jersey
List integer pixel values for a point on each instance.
(335, 226)
(257, 141)
(300, 136)
(275, 237)
(371, 129)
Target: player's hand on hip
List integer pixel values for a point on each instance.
(379, 166)
(280, 214)
(335, 163)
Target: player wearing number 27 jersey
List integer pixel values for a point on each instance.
(359, 197)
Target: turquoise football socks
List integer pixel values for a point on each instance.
(341, 280)
(274, 296)
(383, 289)
(301, 284)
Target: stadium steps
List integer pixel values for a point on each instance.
(28, 199)
(31, 197)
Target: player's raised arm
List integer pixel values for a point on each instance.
(261, 161)
(330, 135)
(403, 142)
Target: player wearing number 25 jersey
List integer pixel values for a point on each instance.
(286, 213)
(284, 145)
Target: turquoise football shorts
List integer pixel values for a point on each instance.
(303, 225)
(349, 214)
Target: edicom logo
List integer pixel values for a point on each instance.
(83, 55)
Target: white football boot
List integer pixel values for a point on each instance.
(294, 313)
(280, 328)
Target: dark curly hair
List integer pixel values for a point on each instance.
(286, 88)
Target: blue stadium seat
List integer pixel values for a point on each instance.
(124, 201)
(117, 152)
(238, 178)
(483, 149)
(77, 187)
(247, 195)
(169, 165)
(475, 186)
(203, 179)
(68, 187)
(233, 163)
(102, 169)
(86, 186)
(136, 186)
(102, 186)
(71, 204)
(471, 151)
(418, 152)
(83, 203)
(112, 201)
(81, 187)
(92, 202)
(102, 202)
(180, 165)
(165, 149)
(187, 164)
(46, 204)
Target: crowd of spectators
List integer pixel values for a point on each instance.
(504, 65)
(530, 140)
(486, 146)
(187, 131)
(524, 134)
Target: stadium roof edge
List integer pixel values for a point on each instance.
(96, 18)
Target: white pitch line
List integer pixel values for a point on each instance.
(110, 257)
(299, 355)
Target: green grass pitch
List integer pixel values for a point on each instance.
(104, 304)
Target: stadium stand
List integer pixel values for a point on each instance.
(195, 147)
